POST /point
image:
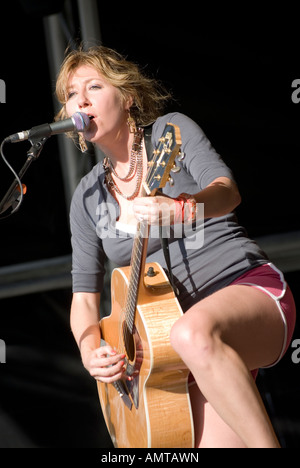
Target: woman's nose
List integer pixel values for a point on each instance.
(83, 100)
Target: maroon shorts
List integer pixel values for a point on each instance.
(271, 281)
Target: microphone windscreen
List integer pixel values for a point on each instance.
(81, 120)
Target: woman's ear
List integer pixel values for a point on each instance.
(129, 102)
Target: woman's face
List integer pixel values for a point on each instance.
(90, 93)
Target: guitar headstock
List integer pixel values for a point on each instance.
(163, 160)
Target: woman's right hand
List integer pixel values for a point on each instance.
(105, 364)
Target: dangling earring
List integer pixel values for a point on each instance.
(82, 143)
(131, 123)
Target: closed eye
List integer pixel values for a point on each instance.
(70, 95)
(96, 87)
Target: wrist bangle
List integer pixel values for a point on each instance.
(179, 211)
(189, 207)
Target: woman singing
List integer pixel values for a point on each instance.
(239, 313)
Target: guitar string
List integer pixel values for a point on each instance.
(133, 291)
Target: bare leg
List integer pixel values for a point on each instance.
(214, 433)
(220, 339)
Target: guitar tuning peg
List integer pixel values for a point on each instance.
(171, 182)
(181, 156)
(175, 169)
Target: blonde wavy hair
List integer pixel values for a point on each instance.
(148, 94)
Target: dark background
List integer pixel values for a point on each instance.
(230, 70)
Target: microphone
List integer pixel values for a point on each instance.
(79, 122)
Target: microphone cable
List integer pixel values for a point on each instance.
(19, 183)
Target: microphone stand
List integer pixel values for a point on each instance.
(32, 155)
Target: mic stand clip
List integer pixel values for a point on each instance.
(36, 148)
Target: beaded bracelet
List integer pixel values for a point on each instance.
(189, 202)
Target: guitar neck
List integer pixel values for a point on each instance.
(138, 259)
(158, 174)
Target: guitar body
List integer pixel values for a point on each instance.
(152, 410)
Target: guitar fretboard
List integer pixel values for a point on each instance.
(157, 176)
(139, 246)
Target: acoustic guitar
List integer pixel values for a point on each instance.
(153, 408)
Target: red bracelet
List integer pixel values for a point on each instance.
(189, 207)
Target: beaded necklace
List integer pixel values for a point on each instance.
(136, 164)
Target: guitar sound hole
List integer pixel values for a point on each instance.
(128, 342)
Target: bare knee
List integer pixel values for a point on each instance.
(194, 344)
